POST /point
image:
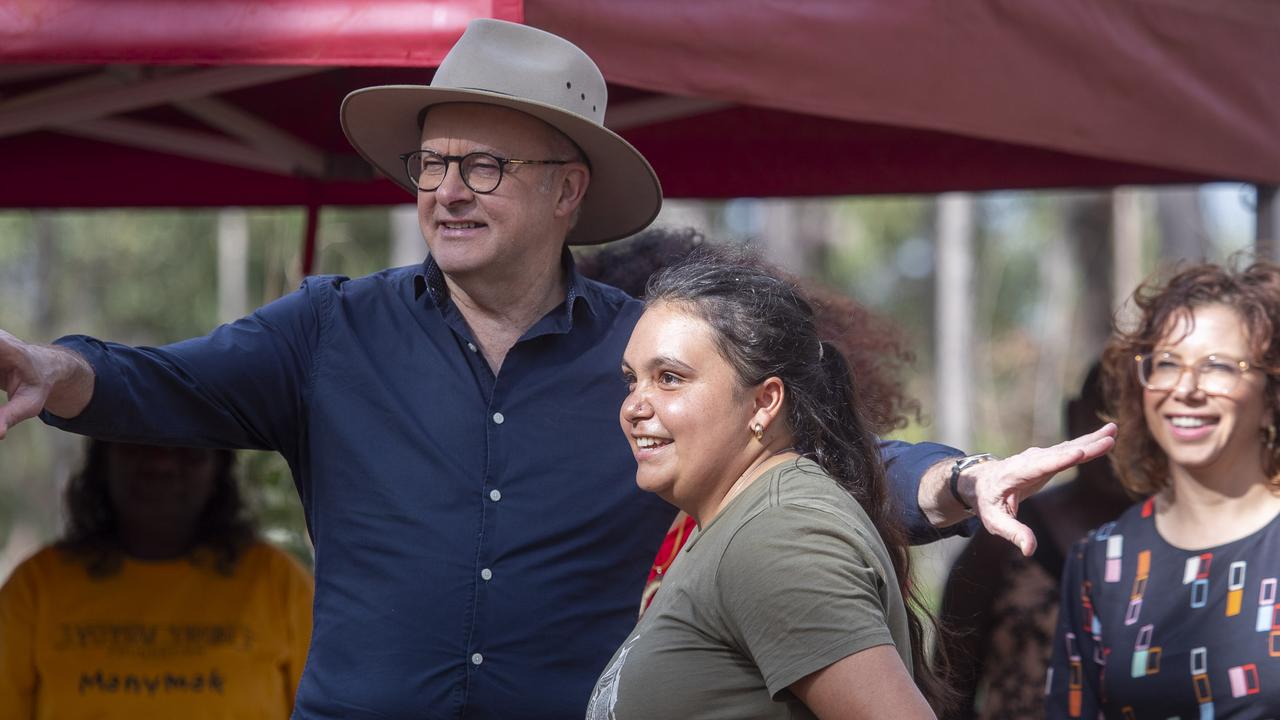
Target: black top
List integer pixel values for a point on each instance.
(1148, 630)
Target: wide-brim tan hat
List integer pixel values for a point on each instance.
(535, 72)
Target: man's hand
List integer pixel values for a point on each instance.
(37, 376)
(995, 488)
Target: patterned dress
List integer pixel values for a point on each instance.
(1148, 630)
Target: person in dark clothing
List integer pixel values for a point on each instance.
(1002, 607)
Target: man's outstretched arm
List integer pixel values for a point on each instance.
(994, 489)
(241, 386)
(41, 377)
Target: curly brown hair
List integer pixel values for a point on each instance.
(92, 537)
(1254, 293)
(873, 345)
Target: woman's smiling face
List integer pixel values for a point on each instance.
(687, 416)
(1204, 434)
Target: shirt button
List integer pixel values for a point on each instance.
(495, 495)
(471, 347)
(476, 658)
(498, 419)
(487, 574)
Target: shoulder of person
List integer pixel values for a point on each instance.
(1091, 551)
(788, 554)
(805, 488)
(819, 526)
(39, 568)
(45, 557)
(1128, 521)
(377, 282)
(262, 556)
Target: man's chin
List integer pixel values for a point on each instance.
(461, 262)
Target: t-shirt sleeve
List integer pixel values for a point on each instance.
(1071, 688)
(800, 590)
(242, 385)
(17, 652)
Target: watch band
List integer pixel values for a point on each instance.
(958, 467)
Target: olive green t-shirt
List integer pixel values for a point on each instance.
(789, 578)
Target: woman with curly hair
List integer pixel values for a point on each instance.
(159, 602)
(1169, 611)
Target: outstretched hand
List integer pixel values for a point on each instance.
(20, 381)
(999, 486)
(35, 377)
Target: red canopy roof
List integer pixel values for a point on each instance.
(234, 102)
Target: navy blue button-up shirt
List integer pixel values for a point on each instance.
(480, 542)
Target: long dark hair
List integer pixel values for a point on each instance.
(224, 529)
(764, 327)
(1254, 293)
(874, 345)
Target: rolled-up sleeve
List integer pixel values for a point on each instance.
(800, 591)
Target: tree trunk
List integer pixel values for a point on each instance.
(953, 310)
(233, 264)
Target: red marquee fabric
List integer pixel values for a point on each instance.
(726, 97)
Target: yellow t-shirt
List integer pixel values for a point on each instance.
(155, 640)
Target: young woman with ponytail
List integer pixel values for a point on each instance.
(791, 598)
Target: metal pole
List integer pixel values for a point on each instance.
(233, 264)
(953, 312)
(1266, 235)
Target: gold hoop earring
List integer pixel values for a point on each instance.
(1270, 433)
(758, 431)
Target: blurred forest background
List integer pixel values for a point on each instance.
(1005, 297)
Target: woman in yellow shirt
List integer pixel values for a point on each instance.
(160, 601)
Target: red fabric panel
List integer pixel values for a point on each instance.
(750, 152)
(732, 153)
(241, 32)
(842, 96)
(39, 173)
(1180, 84)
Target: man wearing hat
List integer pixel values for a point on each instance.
(452, 427)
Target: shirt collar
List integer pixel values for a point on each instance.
(429, 280)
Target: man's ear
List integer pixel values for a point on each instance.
(769, 397)
(572, 188)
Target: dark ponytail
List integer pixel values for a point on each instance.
(765, 327)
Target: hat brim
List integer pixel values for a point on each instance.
(623, 197)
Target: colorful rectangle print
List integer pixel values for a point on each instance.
(1139, 667)
(1075, 683)
(1266, 605)
(1199, 593)
(1235, 588)
(1204, 693)
(1244, 680)
(1115, 551)
(1146, 659)
(1200, 666)
(1190, 570)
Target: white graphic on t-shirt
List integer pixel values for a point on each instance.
(605, 696)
